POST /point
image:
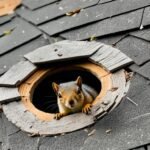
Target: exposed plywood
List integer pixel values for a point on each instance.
(17, 73)
(63, 51)
(8, 94)
(8, 6)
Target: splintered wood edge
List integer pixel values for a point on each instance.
(27, 121)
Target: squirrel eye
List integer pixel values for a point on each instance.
(78, 91)
(59, 95)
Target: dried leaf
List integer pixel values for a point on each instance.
(108, 131)
(7, 32)
(92, 38)
(73, 12)
(92, 132)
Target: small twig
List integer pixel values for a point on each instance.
(129, 99)
(92, 132)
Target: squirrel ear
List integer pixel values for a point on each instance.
(79, 81)
(55, 87)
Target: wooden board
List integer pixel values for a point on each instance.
(110, 58)
(16, 74)
(8, 94)
(63, 51)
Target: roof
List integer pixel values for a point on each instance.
(124, 24)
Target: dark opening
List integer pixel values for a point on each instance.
(44, 97)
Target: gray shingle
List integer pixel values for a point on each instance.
(54, 10)
(92, 14)
(143, 34)
(17, 54)
(146, 17)
(136, 49)
(23, 33)
(113, 25)
(34, 4)
(145, 70)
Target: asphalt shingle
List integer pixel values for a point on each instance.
(17, 54)
(92, 14)
(54, 10)
(113, 25)
(23, 33)
(145, 70)
(136, 49)
(146, 17)
(35, 4)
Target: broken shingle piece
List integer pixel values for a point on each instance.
(17, 73)
(8, 94)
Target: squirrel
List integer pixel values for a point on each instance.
(73, 97)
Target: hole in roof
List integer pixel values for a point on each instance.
(44, 97)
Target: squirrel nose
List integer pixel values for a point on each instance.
(71, 102)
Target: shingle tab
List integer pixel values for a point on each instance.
(17, 54)
(34, 4)
(4, 19)
(17, 73)
(136, 49)
(23, 33)
(143, 34)
(146, 17)
(54, 10)
(145, 70)
(113, 25)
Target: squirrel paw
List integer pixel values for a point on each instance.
(57, 116)
(87, 108)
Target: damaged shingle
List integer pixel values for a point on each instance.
(17, 73)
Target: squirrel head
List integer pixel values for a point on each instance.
(69, 94)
